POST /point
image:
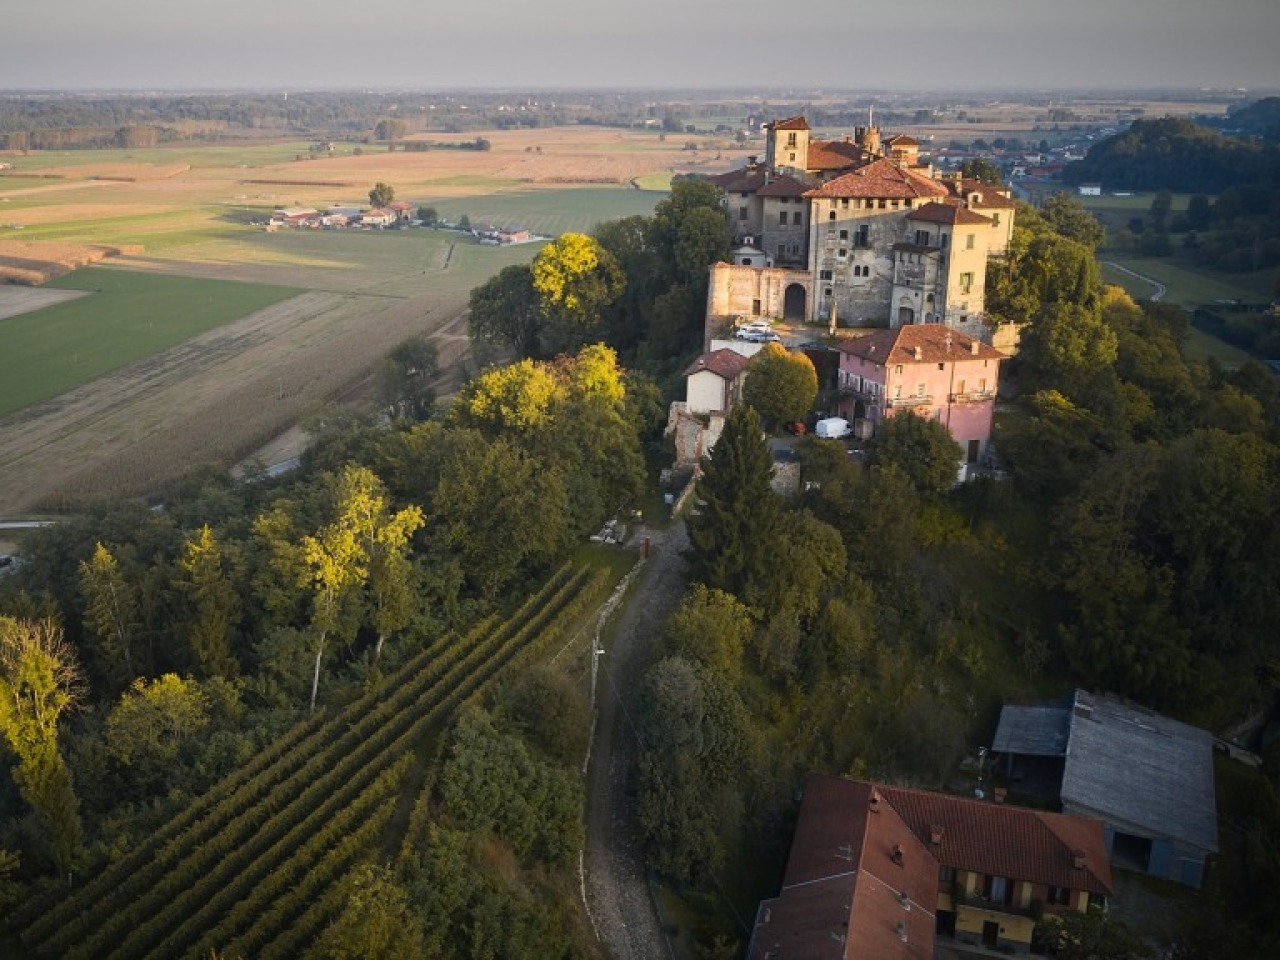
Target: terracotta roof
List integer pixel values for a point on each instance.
(988, 196)
(724, 363)
(791, 123)
(902, 140)
(842, 893)
(741, 180)
(880, 178)
(784, 186)
(899, 345)
(1004, 841)
(947, 213)
(834, 155)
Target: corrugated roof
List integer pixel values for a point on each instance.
(1132, 766)
(1033, 731)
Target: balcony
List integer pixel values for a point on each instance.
(973, 396)
(915, 400)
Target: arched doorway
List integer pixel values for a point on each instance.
(906, 316)
(793, 302)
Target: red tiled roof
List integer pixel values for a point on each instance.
(724, 363)
(784, 186)
(988, 196)
(791, 123)
(947, 213)
(834, 155)
(902, 140)
(741, 180)
(899, 345)
(1004, 841)
(880, 178)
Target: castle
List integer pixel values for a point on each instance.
(856, 232)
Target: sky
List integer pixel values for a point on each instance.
(542, 44)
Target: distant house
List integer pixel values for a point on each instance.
(929, 370)
(295, 216)
(1149, 778)
(713, 382)
(514, 235)
(377, 218)
(1090, 189)
(880, 873)
(402, 210)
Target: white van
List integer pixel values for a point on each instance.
(832, 428)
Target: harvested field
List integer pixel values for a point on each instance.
(16, 300)
(35, 262)
(126, 172)
(214, 399)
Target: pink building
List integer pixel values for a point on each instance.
(928, 369)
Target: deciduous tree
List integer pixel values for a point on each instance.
(921, 448)
(506, 312)
(382, 194)
(781, 385)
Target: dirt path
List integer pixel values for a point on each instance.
(617, 896)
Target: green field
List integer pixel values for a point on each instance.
(1187, 286)
(552, 212)
(128, 316)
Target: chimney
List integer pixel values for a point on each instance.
(935, 835)
(973, 348)
(874, 802)
(904, 901)
(902, 930)
(1077, 859)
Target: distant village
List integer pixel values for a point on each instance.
(397, 215)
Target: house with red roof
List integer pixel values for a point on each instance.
(929, 370)
(881, 873)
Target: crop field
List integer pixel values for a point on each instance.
(126, 317)
(101, 398)
(253, 867)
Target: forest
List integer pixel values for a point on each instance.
(251, 658)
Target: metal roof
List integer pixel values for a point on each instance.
(1033, 731)
(1134, 767)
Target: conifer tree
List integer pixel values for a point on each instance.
(737, 521)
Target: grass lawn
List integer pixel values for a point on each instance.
(1188, 286)
(127, 317)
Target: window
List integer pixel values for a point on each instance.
(982, 385)
(999, 889)
(831, 215)
(842, 253)
(920, 389)
(942, 366)
(824, 274)
(844, 234)
(942, 240)
(893, 204)
(844, 203)
(995, 219)
(793, 158)
(898, 369)
(755, 308)
(966, 282)
(742, 213)
(968, 241)
(795, 218)
(922, 238)
(782, 219)
(946, 876)
(880, 203)
(862, 236)
(826, 292)
(897, 391)
(791, 141)
(959, 388)
(1059, 896)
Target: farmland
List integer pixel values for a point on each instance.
(111, 401)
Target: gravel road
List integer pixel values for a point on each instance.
(617, 896)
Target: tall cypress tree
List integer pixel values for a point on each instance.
(738, 516)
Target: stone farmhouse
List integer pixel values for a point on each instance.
(855, 233)
(878, 873)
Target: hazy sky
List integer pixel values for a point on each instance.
(856, 44)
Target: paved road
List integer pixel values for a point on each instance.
(615, 889)
(1158, 289)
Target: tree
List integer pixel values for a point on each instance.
(429, 216)
(153, 720)
(1068, 216)
(1161, 207)
(381, 194)
(922, 449)
(392, 129)
(1093, 935)
(781, 385)
(214, 603)
(404, 376)
(517, 398)
(576, 278)
(1199, 213)
(733, 532)
(506, 311)
(982, 170)
(40, 682)
(111, 609)
(377, 919)
(1071, 349)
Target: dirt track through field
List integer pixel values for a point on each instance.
(213, 399)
